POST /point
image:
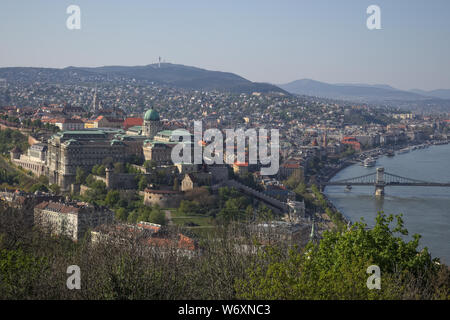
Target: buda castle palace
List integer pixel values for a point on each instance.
(66, 151)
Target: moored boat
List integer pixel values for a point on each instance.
(369, 162)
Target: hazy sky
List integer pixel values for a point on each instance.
(273, 41)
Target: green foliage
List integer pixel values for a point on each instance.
(129, 168)
(143, 182)
(90, 180)
(264, 213)
(97, 193)
(133, 217)
(12, 138)
(226, 193)
(38, 187)
(80, 175)
(112, 198)
(293, 181)
(19, 273)
(300, 189)
(235, 209)
(33, 265)
(157, 216)
(189, 208)
(99, 170)
(336, 267)
(10, 178)
(43, 180)
(121, 214)
(55, 188)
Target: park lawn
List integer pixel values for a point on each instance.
(26, 181)
(182, 219)
(199, 220)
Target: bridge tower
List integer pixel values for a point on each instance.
(379, 182)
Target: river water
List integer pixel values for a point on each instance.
(426, 210)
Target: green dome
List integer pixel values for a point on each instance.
(152, 115)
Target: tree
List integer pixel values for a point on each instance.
(300, 189)
(38, 187)
(232, 211)
(121, 214)
(101, 170)
(90, 180)
(97, 192)
(112, 198)
(144, 214)
(55, 188)
(157, 216)
(188, 207)
(292, 181)
(142, 184)
(132, 217)
(19, 273)
(43, 179)
(80, 175)
(336, 267)
(264, 213)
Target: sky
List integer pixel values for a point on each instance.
(274, 41)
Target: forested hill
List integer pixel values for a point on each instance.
(173, 75)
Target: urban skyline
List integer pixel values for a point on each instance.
(131, 170)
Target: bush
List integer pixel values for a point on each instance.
(336, 267)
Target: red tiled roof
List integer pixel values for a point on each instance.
(131, 122)
(291, 165)
(56, 206)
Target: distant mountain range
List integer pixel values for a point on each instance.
(173, 75)
(439, 93)
(418, 100)
(192, 78)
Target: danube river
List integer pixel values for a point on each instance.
(426, 210)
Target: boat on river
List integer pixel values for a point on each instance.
(369, 162)
(404, 150)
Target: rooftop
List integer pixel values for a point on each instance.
(151, 115)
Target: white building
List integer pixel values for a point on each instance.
(72, 220)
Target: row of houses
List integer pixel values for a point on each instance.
(100, 122)
(76, 220)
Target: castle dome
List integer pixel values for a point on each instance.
(151, 115)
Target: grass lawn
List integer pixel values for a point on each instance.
(184, 220)
(26, 181)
